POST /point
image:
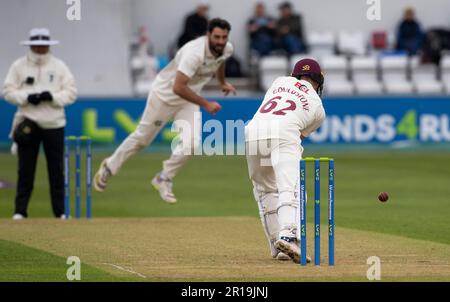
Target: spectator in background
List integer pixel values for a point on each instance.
(409, 35)
(261, 29)
(233, 68)
(40, 85)
(195, 25)
(436, 42)
(290, 30)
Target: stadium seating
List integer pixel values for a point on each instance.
(354, 72)
(336, 71)
(270, 68)
(424, 77)
(394, 71)
(352, 43)
(365, 75)
(379, 40)
(321, 44)
(445, 72)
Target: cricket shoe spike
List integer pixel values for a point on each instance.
(290, 247)
(101, 177)
(164, 186)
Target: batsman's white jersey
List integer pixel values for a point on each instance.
(291, 107)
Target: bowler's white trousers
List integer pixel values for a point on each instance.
(187, 123)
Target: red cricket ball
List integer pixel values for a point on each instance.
(383, 196)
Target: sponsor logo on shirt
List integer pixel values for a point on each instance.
(304, 102)
(302, 87)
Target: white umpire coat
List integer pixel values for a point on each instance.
(49, 74)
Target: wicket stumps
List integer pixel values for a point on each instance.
(317, 162)
(77, 140)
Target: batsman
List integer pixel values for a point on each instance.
(291, 110)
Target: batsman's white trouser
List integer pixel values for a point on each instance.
(273, 167)
(187, 122)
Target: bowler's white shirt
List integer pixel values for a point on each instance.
(197, 62)
(290, 108)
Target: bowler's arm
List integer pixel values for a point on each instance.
(224, 85)
(181, 88)
(220, 74)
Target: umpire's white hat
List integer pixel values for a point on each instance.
(39, 37)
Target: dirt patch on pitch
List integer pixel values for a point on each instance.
(222, 249)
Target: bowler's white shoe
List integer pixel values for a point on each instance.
(18, 217)
(101, 177)
(164, 186)
(282, 257)
(290, 247)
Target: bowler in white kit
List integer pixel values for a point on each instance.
(175, 94)
(292, 109)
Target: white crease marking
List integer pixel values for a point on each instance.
(129, 270)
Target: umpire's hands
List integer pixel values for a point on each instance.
(46, 96)
(37, 98)
(34, 98)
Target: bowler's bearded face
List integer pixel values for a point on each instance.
(218, 39)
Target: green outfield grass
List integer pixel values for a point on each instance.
(22, 263)
(418, 184)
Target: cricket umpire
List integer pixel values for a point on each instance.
(40, 85)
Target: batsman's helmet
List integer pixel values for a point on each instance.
(309, 68)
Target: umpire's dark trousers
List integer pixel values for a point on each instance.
(53, 142)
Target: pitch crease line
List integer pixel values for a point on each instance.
(125, 269)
